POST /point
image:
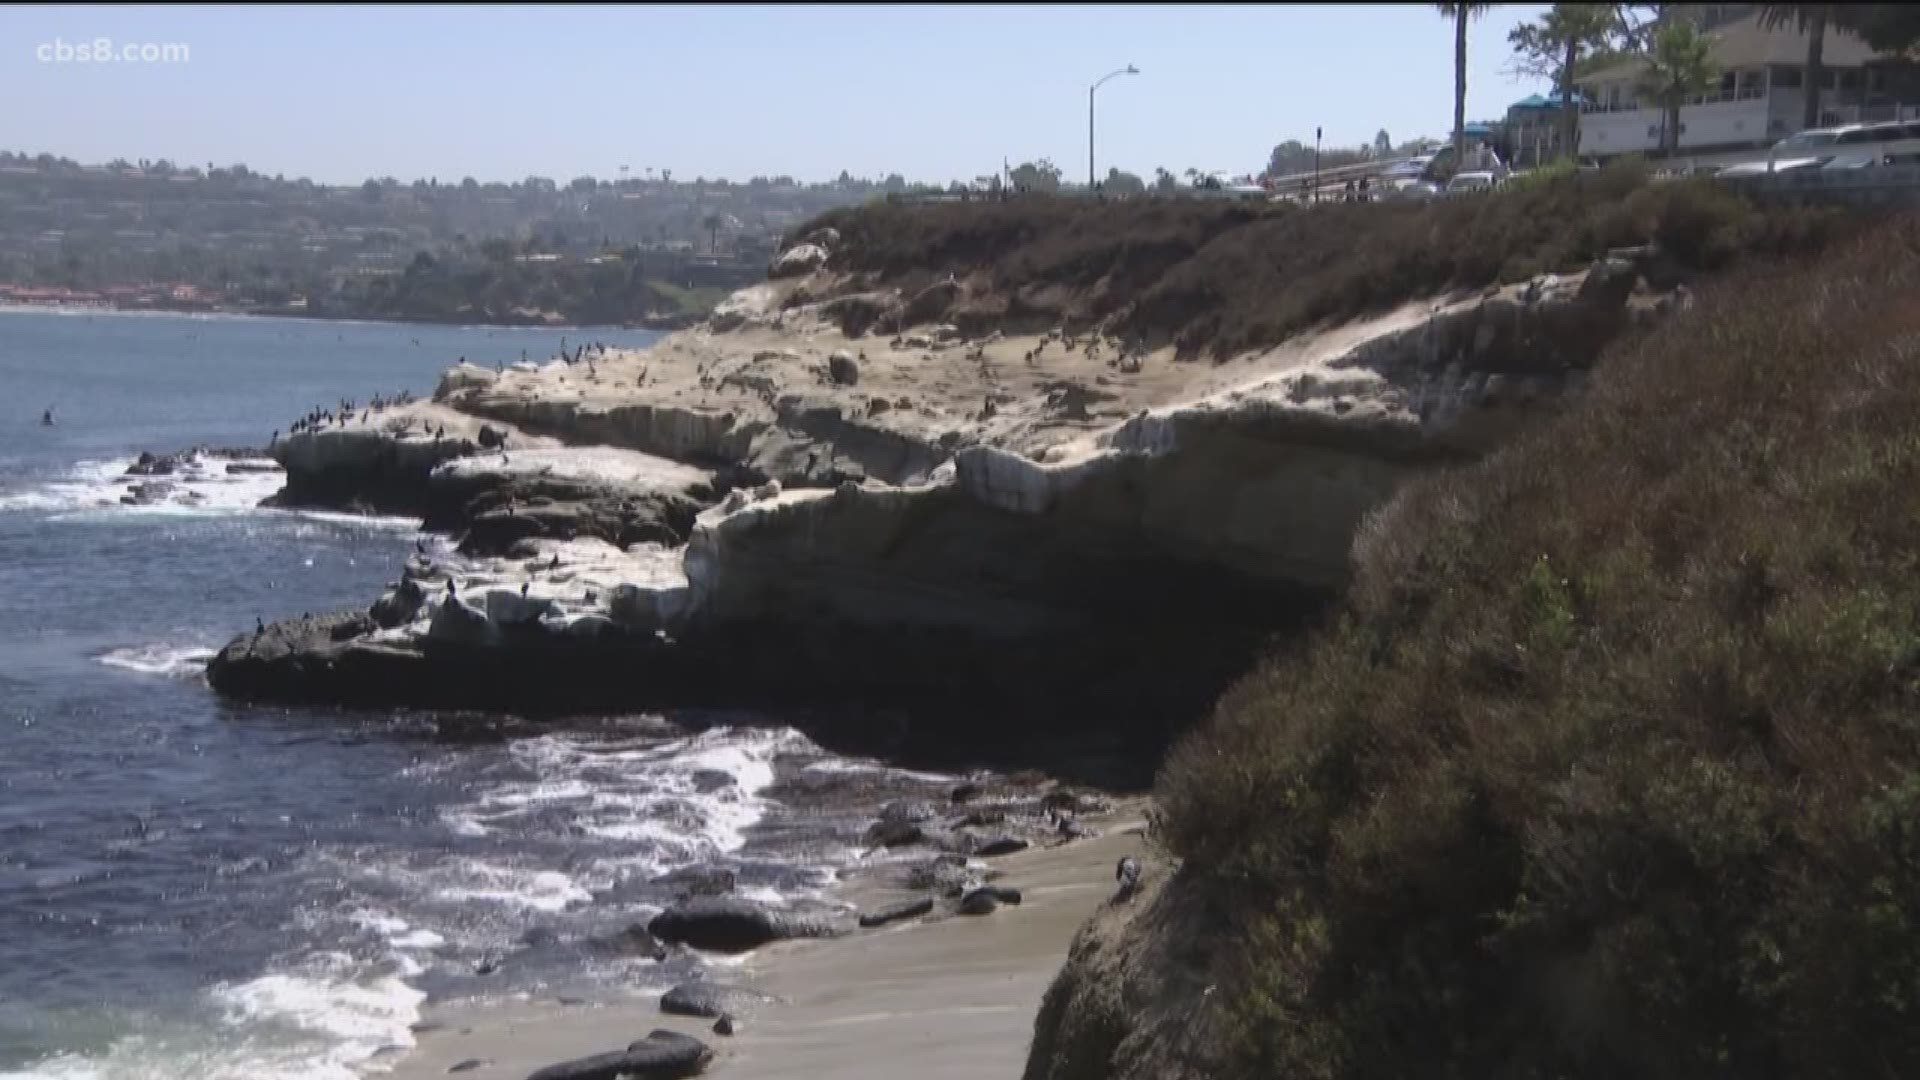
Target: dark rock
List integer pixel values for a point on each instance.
(470, 1064)
(989, 815)
(965, 792)
(486, 966)
(909, 909)
(980, 901)
(990, 846)
(705, 999)
(843, 369)
(723, 924)
(698, 881)
(1002, 893)
(539, 937)
(1074, 802)
(909, 811)
(708, 781)
(946, 876)
(400, 605)
(491, 438)
(893, 834)
(725, 1026)
(662, 1055)
(634, 941)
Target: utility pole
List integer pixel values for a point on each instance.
(1316, 164)
(1128, 70)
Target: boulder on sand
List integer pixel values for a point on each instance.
(842, 368)
(910, 909)
(725, 924)
(979, 902)
(662, 1055)
(710, 1000)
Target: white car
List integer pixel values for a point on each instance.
(1411, 169)
(1467, 182)
(1851, 146)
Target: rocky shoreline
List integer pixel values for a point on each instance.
(990, 548)
(938, 543)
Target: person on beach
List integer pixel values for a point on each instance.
(46, 418)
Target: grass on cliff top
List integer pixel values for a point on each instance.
(1217, 278)
(1611, 766)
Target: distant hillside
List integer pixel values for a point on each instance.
(246, 239)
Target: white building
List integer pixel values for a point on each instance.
(1760, 97)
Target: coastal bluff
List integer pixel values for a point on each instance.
(943, 508)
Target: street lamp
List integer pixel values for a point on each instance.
(1128, 70)
(1316, 164)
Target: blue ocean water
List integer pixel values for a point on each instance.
(192, 888)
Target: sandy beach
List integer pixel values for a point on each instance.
(944, 999)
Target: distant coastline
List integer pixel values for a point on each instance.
(663, 323)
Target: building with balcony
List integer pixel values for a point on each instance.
(1759, 101)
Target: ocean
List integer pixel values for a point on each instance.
(195, 888)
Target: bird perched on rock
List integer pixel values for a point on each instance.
(523, 587)
(1128, 875)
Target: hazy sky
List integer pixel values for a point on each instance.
(340, 94)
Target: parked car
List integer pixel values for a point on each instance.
(1412, 190)
(1469, 182)
(1850, 146)
(1414, 168)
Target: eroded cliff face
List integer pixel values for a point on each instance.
(1134, 1000)
(1050, 528)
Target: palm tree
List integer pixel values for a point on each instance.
(1460, 14)
(1679, 66)
(1811, 19)
(712, 223)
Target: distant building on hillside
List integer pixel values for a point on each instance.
(1760, 98)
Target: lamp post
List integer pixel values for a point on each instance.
(1128, 70)
(1316, 164)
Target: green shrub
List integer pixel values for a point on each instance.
(1611, 764)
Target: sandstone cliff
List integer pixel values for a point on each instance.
(1060, 524)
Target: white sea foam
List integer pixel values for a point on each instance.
(649, 794)
(202, 484)
(327, 1018)
(169, 660)
(845, 765)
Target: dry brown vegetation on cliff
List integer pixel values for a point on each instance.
(1612, 765)
(1219, 278)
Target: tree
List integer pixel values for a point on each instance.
(1887, 28)
(1679, 66)
(1812, 20)
(370, 191)
(1551, 46)
(1382, 144)
(1123, 183)
(712, 224)
(1461, 14)
(1042, 175)
(1164, 181)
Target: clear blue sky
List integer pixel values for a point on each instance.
(340, 94)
